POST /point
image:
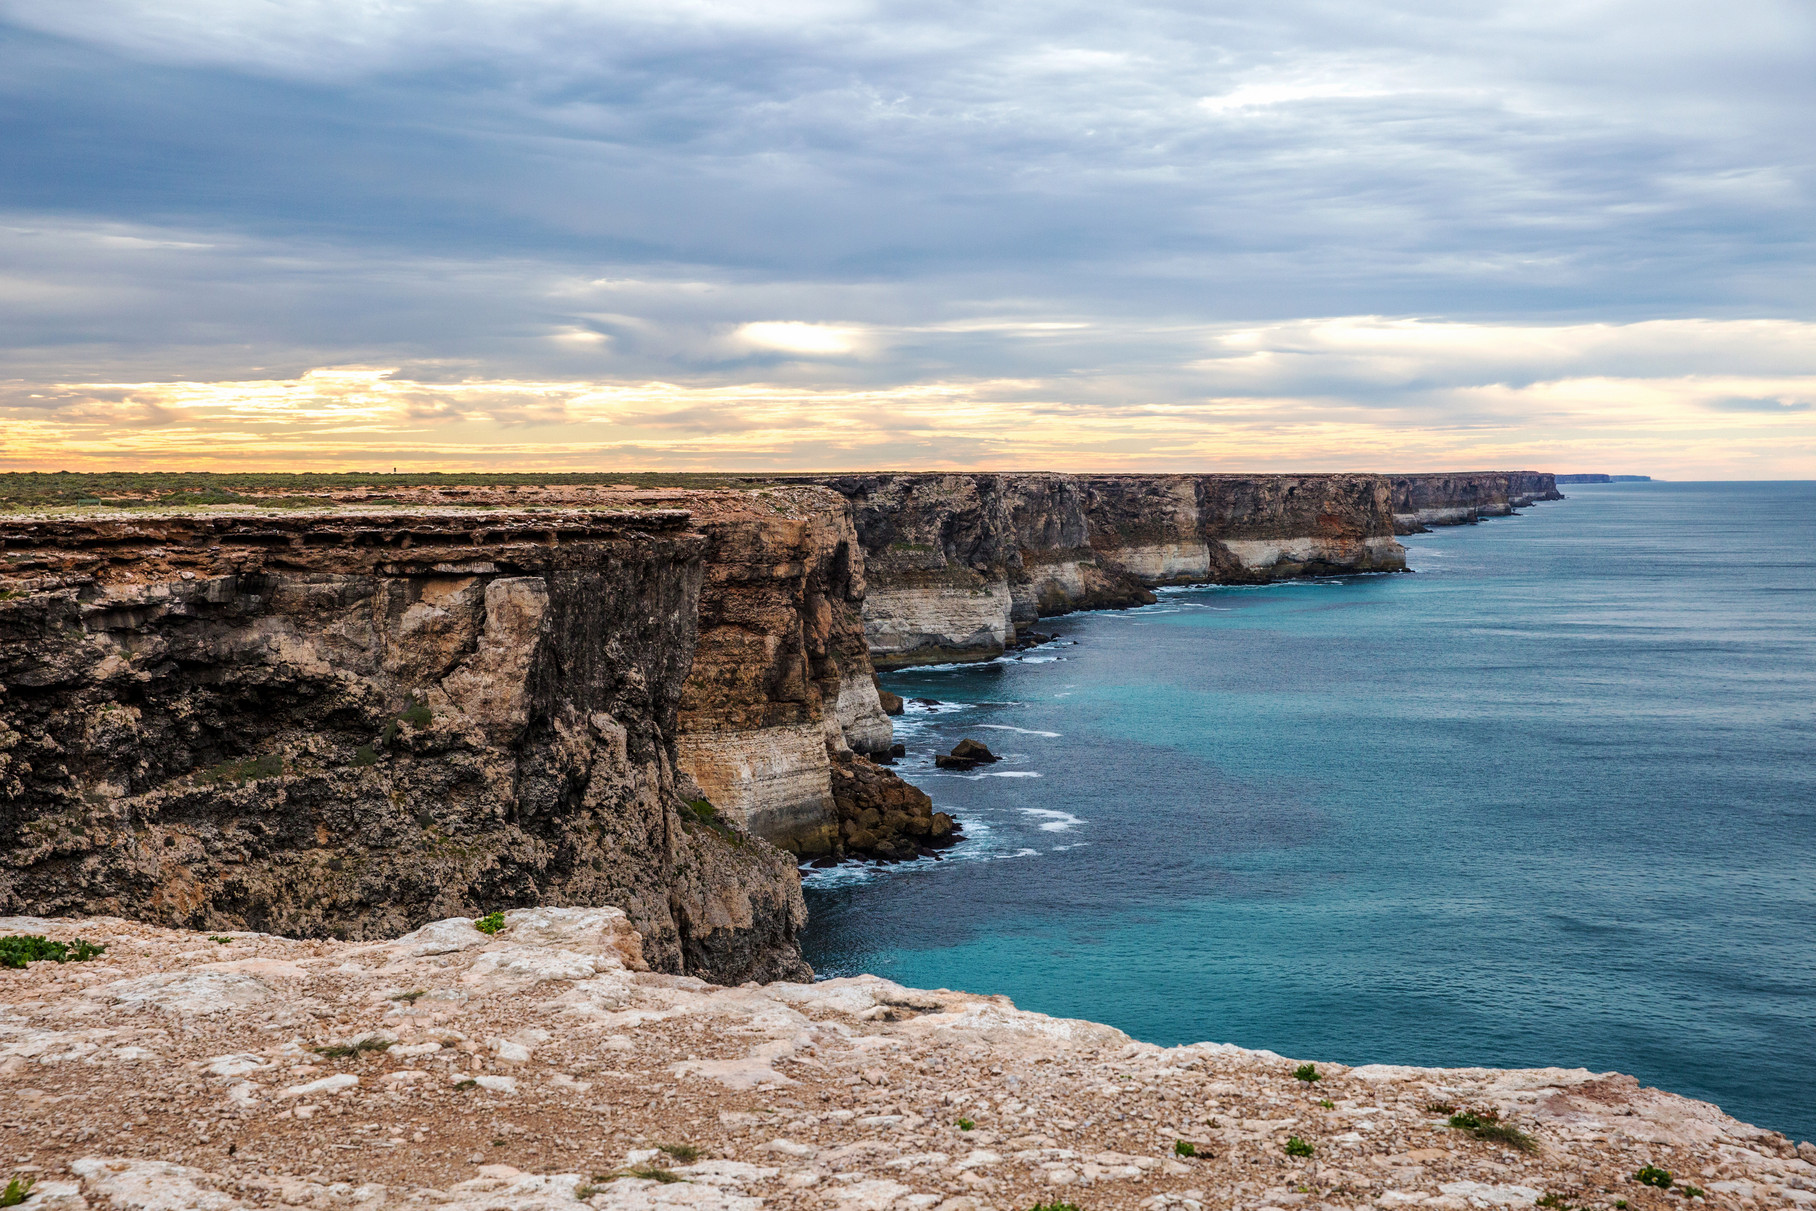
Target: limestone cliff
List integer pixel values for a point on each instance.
(956, 563)
(332, 724)
(1461, 498)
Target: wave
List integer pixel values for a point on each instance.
(1026, 731)
(1056, 821)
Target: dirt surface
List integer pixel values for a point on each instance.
(540, 1067)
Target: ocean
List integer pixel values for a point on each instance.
(1548, 800)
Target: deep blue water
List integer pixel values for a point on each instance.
(1549, 800)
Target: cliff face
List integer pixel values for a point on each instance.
(957, 563)
(781, 687)
(1463, 498)
(344, 725)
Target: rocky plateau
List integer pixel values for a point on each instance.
(544, 1066)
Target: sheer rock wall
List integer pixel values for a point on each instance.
(341, 725)
(1462, 498)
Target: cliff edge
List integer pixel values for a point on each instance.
(543, 1068)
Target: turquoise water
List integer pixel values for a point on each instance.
(1550, 800)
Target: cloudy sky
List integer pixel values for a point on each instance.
(1229, 234)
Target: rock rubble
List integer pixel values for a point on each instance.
(544, 1068)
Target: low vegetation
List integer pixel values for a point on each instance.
(1652, 1175)
(17, 1191)
(1184, 1148)
(16, 950)
(1307, 1073)
(1298, 1147)
(1054, 1207)
(344, 1051)
(491, 923)
(250, 769)
(685, 1153)
(1487, 1125)
(966, 1124)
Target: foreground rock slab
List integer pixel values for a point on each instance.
(543, 1067)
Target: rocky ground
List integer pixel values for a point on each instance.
(542, 1067)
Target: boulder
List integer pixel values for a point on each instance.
(971, 750)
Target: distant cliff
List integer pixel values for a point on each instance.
(1460, 498)
(958, 563)
(358, 712)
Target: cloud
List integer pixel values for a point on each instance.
(1376, 222)
(1354, 393)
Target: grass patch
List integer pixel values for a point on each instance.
(1298, 1147)
(220, 940)
(965, 1124)
(1652, 1175)
(1055, 1207)
(469, 1083)
(16, 950)
(1440, 1108)
(249, 770)
(17, 1191)
(652, 1173)
(685, 1153)
(1184, 1148)
(1552, 1202)
(1689, 1191)
(345, 1051)
(708, 815)
(1327, 1103)
(1487, 1125)
(409, 998)
(1307, 1073)
(491, 923)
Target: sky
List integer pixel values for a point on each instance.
(831, 234)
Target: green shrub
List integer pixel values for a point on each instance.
(16, 950)
(1298, 1147)
(219, 939)
(965, 1124)
(1486, 1125)
(1184, 1148)
(1327, 1103)
(1553, 1203)
(1307, 1073)
(1651, 1175)
(343, 1051)
(364, 755)
(1689, 1191)
(1054, 1207)
(491, 923)
(17, 1191)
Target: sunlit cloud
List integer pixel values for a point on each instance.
(1357, 393)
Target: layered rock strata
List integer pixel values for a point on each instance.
(542, 1069)
(342, 724)
(1464, 498)
(957, 563)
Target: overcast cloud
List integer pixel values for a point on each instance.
(567, 232)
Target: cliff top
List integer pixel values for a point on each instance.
(50, 491)
(538, 1068)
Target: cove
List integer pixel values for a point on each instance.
(1548, 800)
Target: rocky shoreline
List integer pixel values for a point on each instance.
(345, 713)
(542, 1066)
